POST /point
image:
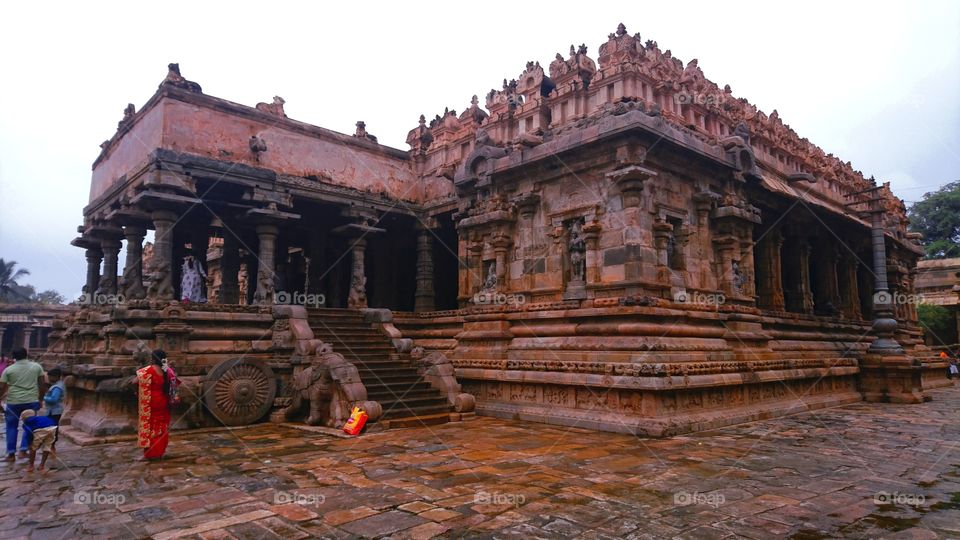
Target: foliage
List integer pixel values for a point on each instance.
(938, 323)
(937, 217)
(12, 292)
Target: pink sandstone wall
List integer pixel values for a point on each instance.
(129, 152)
(220, 135)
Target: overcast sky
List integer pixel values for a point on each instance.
(876, 86)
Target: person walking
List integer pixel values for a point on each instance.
(20, 386)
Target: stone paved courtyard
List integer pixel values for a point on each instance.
(860, 471)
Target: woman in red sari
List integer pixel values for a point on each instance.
(154, 383)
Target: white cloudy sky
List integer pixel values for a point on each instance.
(877, 85)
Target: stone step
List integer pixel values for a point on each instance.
(391, 381)
(415, 421)
(383, 396)
(402, 412)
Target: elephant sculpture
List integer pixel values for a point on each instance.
(331, 386)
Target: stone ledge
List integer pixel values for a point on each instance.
(659, 426)
(659, 384)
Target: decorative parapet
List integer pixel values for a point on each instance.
(382, 319)
(633, 71)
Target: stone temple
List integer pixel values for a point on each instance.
(611, 242)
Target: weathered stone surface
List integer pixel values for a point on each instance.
(863, 467)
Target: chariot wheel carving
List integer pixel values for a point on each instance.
(239, 391)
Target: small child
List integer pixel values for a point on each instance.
(53, 399)
(41, 432)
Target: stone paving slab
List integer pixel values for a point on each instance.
(858, 471)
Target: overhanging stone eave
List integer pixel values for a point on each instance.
(322, 192)
(608, 128)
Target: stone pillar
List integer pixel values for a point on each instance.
(357, 298)
(771, 272)
(133, 266)
(887, 373)
(473, 272)
(424, 298)
(501, 244)
(884, 325)
(704, 201)
(826, 257)
(94, 256)
(726, 247)
(849, 289)
(162, 265)
(27, 332)
(111, 253)
(806, 293)
(229, 269)
(267, 235)
(315, 255)
(747, 266)
(662, 231)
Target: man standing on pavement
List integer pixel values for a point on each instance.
(20, 388)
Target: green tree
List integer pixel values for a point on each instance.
(938, 323)
(49, 297)
(10, 290)
(937, 217)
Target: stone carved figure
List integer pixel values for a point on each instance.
(559, 67)
(490, 283)
(130, 287)
(257, 145)
(739, 279)
(743, 132)
(128, 113)
(160, 287)
(264, 292)
(331, 386)
(175, 79)
(420, 137)
(576, 249)
(275, 108)
(358, 291)
(361, 132)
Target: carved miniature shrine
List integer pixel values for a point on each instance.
(616, 244)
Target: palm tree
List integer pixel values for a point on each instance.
(9, 275)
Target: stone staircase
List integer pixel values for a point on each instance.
(390, 377)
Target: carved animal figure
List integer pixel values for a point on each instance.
(331, 386)
(275, 108)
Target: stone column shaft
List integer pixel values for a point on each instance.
(357, 298)
(266, 256)
(94, 257)
(806, 293)
(849, 289)
(771, 284)
(424, 297)
(133, 265)
(111, 252)
(884, 325)
(163, 221)
(229, 269)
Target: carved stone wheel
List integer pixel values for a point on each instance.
(239, 391)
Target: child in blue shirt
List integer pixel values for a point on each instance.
(41, 433)
(53, 399)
